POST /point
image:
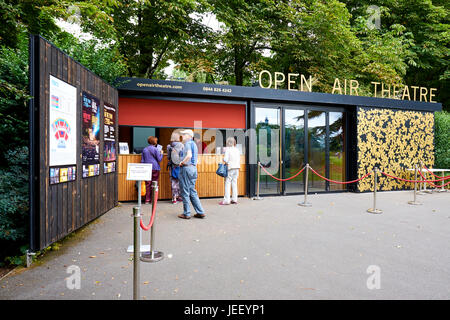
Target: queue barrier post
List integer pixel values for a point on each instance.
(415, 202)
(425, 190)
(305, 202)
(442, 189)
(136, 250)
(374, 209)
(152, 255)
(257, 186)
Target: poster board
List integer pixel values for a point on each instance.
(90, 144)
(109, 138)
(62, 123)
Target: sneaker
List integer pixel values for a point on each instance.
(174, 201)
(233, 202)
(223, 203)
(183, 216)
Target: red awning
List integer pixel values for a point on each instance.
(180, 114)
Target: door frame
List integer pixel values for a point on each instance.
(282, 106)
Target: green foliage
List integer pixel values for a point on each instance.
(14, 204)
(150, 32)
(442, 139)
(104, 60)
(13, 97)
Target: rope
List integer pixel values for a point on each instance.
(146, 228)
(341, 182)
(444, 177)
(431, 183)
(401, 179)
(282, 179)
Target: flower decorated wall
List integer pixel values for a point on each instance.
(393, 141)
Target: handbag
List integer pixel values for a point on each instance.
(222, 170)
(175, 172)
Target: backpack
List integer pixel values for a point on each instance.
(175, 157)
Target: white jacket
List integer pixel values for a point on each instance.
(232, 157)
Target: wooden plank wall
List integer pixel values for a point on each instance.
(67, 206)
(209, 184)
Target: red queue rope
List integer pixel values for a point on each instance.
(444, 177)
(340, 182)
(432, 184)
(282, 179)
(365, 176)
(146, 228)
(401, 179)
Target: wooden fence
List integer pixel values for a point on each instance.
(59, 209)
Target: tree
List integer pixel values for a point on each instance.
(248, 27)
(319, 40)
(149, 32)
(427, 63)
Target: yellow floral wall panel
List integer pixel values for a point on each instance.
(393, 141)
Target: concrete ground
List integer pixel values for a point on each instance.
(268, 249)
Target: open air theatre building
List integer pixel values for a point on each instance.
(342, 137)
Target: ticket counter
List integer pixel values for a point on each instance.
(209, 184)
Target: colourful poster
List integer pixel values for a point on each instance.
(90, 131)
(62, 123)
(63, 175)
(109, 136)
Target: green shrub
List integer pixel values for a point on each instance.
(14, 204)
(442, 139)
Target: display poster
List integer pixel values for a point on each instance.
(123, 148)
(59, 175)
(90, 145)
(63, 123)
(109, 138)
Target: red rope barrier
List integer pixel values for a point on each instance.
(146, 228)
(431, 183)
(341, 182)
(282, 179)
(401, 179)
(444, 177)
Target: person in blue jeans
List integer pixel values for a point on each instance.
(188, 177)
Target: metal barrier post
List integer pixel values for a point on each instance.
(421, 184)
(136, 271)
(414, 202)
(425, 190)
(442, 189)
(374, 209)
(305, 202)
(152, 255)
(142, 247)
(257, 186)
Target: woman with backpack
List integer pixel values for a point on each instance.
(173, 155)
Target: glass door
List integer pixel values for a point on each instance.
(337, 149)
(294, 149)
(288, 137)
(268, 148)
(317, 149)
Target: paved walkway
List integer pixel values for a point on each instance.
(269, 249)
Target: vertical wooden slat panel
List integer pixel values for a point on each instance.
(65, 207)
